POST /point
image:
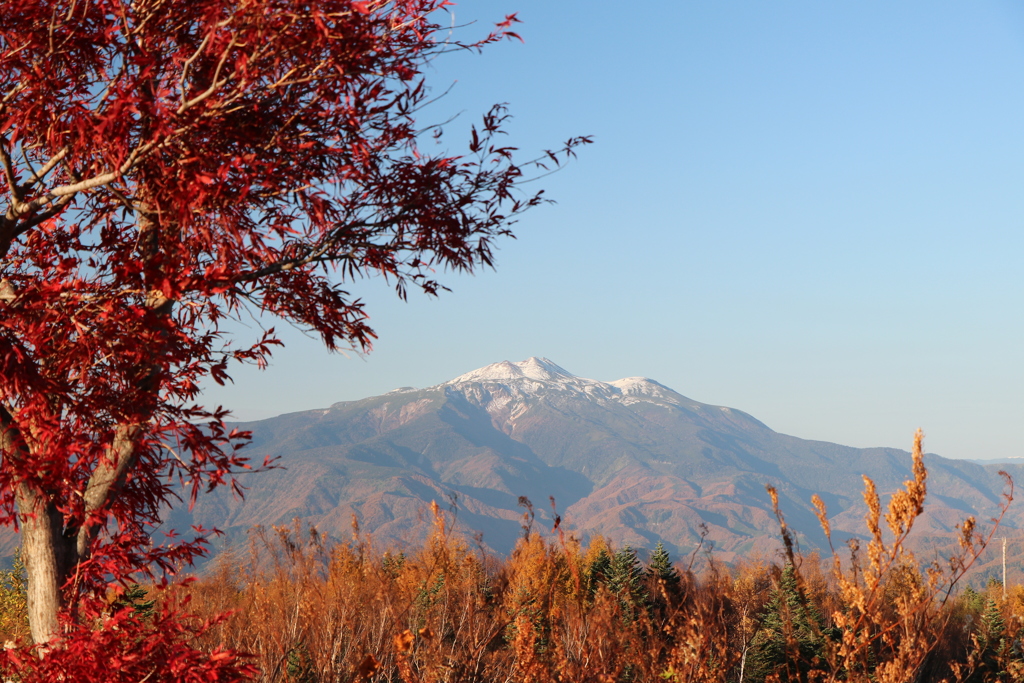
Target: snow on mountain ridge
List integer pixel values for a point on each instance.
(535, 373)
(643, 388)
(499, 385)
(538, 369)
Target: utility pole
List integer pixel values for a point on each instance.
(1004, 567)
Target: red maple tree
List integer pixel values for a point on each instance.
(168, 165)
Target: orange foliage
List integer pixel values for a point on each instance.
(446, 612)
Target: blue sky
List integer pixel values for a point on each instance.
(809, 211)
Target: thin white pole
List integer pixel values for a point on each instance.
(1004, 567)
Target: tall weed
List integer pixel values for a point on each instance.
(558, 610)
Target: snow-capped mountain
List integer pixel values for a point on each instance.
(631, 459)
(539, 375)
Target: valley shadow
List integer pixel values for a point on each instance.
(373, 456)
(954, 504)
(500, 535)
(971, 474)
(473, 423)
(493, 497)
(734, 451)
(385, 454)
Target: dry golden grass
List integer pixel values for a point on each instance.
(446, 612)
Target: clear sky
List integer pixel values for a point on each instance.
(810, 211)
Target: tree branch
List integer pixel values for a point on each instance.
(38, 176)
(109, 475)
(8, 165)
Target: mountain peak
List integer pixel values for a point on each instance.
(527, 378)
(538, 369)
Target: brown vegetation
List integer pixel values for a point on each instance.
(558, 610)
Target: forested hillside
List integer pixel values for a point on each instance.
(631, 460)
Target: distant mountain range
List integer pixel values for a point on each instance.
(1010, 460)
(630, 459)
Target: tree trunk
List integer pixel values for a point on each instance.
(46, 554)
(51, 547)
(46, 551)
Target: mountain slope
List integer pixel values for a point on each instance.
(630, 459)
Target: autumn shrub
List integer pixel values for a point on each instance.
(893, 615)
(555, 610)
(124, 647)
(445, 612)
(559, 610)
(13, 607)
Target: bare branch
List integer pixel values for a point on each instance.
(215, 83)
(21, 208)
(8, 165)
(40, 175)
(188, 65)
(109, 475)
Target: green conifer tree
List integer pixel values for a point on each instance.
(134, 598)
(299, 665)
(625, 581)
(790, 636)
(392, 564)
(661, 569)
(973, 601)
(992, 643)
(992, 625)
(599, 571)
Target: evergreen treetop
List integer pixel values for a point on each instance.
(662, 569)
(791, 633)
